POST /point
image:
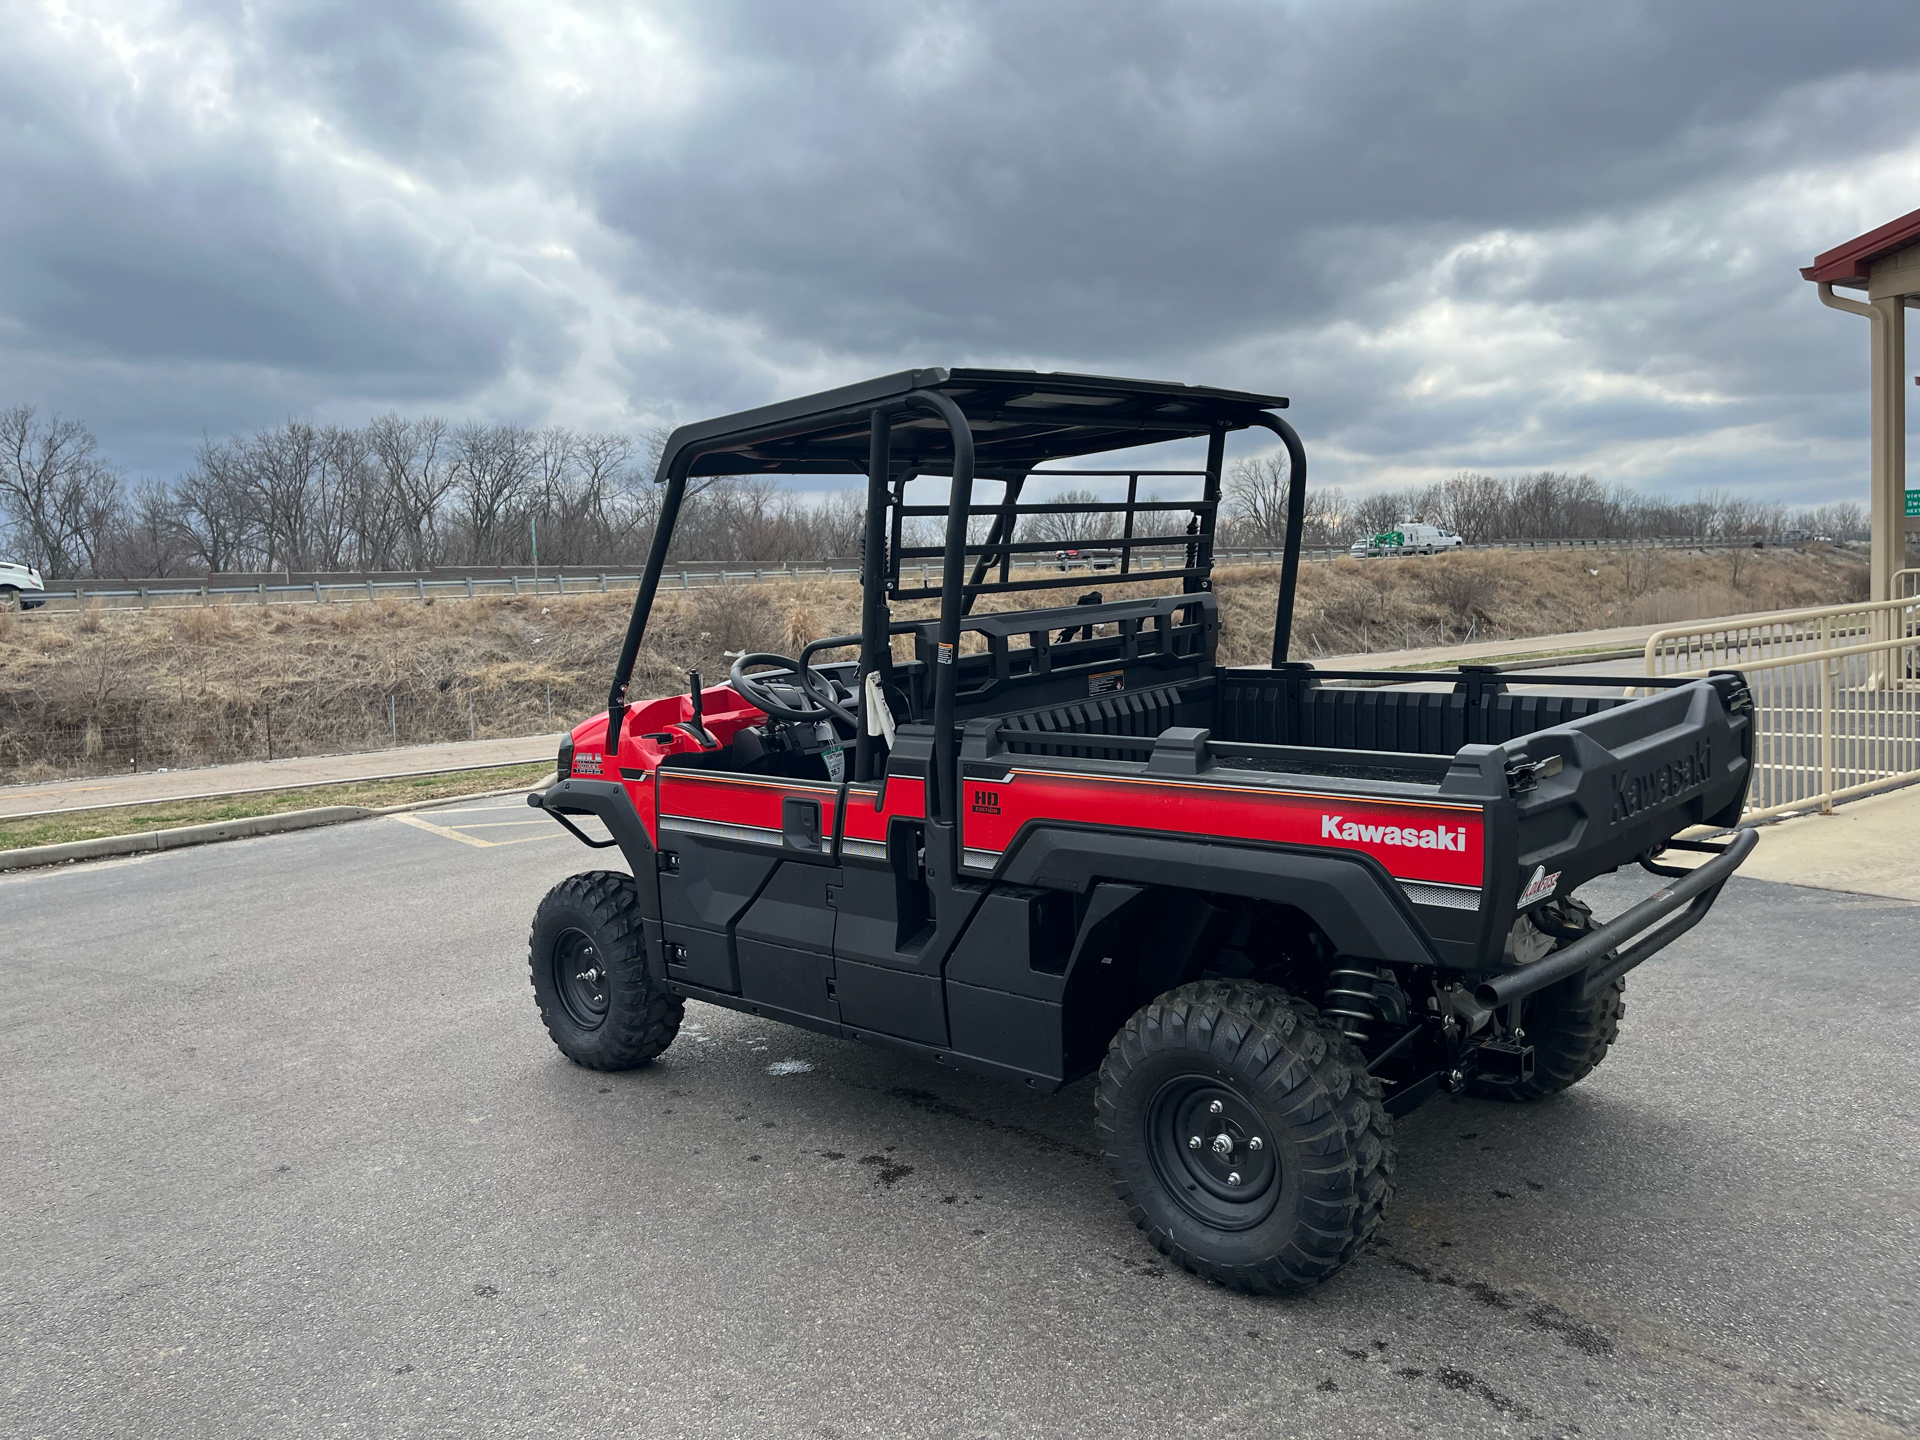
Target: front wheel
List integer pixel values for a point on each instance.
(1245, 1135)
(588, 962)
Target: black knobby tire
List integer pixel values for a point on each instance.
(1247, 1061)
(1570, 1036)
(588, 960)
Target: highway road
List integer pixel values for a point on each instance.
(287, 1153)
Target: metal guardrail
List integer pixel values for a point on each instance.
(68, 596)
(1836, 694)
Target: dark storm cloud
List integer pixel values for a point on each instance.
(1475, 234)
(1076, 178)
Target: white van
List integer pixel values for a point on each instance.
(1412, 538)
(20, 585)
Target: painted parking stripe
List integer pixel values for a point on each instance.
(432, 829)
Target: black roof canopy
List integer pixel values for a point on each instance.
(1019, 419)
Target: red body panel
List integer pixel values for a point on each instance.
(752, 801)
(725, 715)
(903, 797)
(1413, 839)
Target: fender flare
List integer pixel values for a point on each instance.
(1351, 897)
(609, 801)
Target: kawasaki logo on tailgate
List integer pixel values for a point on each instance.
(1668, 780)
(1441, 837)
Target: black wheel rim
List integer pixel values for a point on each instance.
(579, 979)
(1213, 1152)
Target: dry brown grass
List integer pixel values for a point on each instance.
(198, 685)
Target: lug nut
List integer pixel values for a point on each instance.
(1193, 1142)
(1234, 1178)
(1223, 1145)
(1216, 1107)
(1256, 1143)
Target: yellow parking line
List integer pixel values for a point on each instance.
(432, 829)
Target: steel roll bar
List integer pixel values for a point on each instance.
(679, 466)
(1296, 519)
(944, 775)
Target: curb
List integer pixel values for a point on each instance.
(181, 836)
(272, 789)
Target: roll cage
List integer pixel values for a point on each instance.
(973, 424)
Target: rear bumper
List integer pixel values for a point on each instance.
(1692, 896)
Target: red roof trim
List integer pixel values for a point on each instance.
(1854, 260)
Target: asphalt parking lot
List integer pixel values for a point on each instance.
(288, 1153)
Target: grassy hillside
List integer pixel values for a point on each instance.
(113, 690)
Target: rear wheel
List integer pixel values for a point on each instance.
(1245, 1135)
(588, 962)
(9, 598)
(1570, 1033)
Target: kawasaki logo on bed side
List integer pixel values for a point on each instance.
(1665, 781)
(1338, 827)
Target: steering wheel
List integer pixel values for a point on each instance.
(791, 690)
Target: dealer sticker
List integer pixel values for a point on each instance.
(1539, 887)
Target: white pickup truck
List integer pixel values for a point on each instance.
(21, 586)
(1412, 538)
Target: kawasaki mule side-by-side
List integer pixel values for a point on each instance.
(1272, 907)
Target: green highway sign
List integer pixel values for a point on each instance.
(1913, 502)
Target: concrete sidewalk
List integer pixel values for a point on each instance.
(96, 791)
(1869, 847)
(1621, 637)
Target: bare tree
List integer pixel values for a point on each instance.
(1256, 493)
(493, 467)
(280, 474)
(59, 497)
(211, 507)
(150, 539)
(412, 459)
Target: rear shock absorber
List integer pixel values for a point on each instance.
(1351, 1000)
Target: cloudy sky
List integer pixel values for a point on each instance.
(1460, 235)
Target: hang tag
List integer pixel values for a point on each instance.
(836, 758)
(879, 713)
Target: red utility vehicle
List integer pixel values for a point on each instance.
(1272, 907)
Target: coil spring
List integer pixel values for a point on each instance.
(1351, 999)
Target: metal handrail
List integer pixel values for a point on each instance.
(1846, 724)
(1772, 617)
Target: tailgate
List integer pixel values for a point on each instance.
(1632, 778)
